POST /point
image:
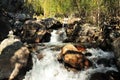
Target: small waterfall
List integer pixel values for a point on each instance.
(54, 36)
(58, 36)
(48, 68)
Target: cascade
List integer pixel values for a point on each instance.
(48, 68)
(60, 34)
(54, 36)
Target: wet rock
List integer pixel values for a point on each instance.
(51, 23)
(40, 56)
(84, 33)
(4, 27)
(88, 54)
(66, 48)
(110, 31)
(113, 75)
(13, 59)
(80, 48)
(46, 37)
(72, 32)
(109, 75)
(98, 76)
(92, 33)
(32, 32)
(74, 58)
(116, 48)
(104, 62)
(22, 16)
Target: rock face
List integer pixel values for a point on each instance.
(4, 30)
(74, 58)
(51, 23)
(116, 46)
(109, 75)
(83, 33)
(4, 27)
(14, 57)
(11, 5)
(34, 32)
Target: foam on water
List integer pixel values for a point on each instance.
(57, 36)
(54, 36)
(48, 68)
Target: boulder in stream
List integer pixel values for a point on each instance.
(74, 58)
(14, 57)
(34, 31)
(4, 27)
(108, 75)
(116, 46)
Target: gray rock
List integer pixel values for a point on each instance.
(116, 46)
(13, 58)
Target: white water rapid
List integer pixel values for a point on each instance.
(48, 68)
(54, 36)
(57, 36)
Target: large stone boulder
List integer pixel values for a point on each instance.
(74, 58)
(4, 27)
(12, 5)
(83, 33)
(116, 47)
(34, 32)
(51, 23)
(108, 75)
(13, 59)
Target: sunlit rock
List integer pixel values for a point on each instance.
(66, 48)
(9, 41)
(85, 33)
(32, 32)
(14, 57)
(74, 57)
(76, 60)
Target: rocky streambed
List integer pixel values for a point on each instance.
(31, 50)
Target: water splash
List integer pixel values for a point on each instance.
(57, 36)
(54, 36)
(48, 68)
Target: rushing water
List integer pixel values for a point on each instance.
(58, 36)
(54, 36)
(49, 68)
